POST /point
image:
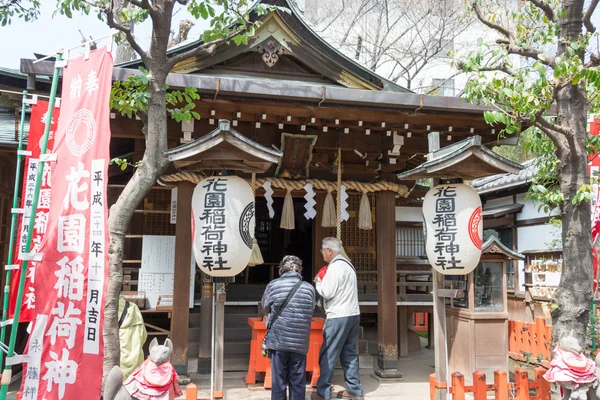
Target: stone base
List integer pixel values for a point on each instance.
(181, 369)
(387, 374)
(204, 366)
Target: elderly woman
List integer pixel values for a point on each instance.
(290, 303)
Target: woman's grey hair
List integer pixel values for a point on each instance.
(290, 264)
(332, 243)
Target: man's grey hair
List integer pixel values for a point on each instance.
(332, 243)
(290, 264)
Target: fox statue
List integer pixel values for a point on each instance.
(154, 379)
(572, 370)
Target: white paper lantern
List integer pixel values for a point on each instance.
(222, 225)
(453, 228)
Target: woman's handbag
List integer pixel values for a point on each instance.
(264, 350)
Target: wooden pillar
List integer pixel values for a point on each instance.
(387, 325)
(403, 327)
(180, 317)
(439, 303)
(206, 311)
(430, 333)
(219, 333)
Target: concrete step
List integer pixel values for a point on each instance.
(230, 364)
(363, 346)
(232, 348)
(230, 319)
(238, 333)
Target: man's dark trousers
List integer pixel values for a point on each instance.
(288, 367)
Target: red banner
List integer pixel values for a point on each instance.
(65, 345)
(37, 124)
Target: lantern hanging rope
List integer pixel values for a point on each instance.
(256, 257)
(339, 202)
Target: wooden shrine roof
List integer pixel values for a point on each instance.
(467, 159)
(223, 149)
(493, 245)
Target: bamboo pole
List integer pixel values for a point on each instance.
(13, 225)
(7, 374)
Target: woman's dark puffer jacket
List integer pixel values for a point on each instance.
(291, 331)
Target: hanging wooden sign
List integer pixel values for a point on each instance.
(222, 225)
(453, 228)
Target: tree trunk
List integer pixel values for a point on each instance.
(574, 295)
(153, 165)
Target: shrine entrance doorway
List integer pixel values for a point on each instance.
(275, 242)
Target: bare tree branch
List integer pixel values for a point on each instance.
(546, 8)
(497, 27)
(112, 22)
(141, 4)
(587, 18)
(510, 42)
(545, 125)
(205, 50)
(497, 68)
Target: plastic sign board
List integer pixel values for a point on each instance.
(222, 225)
(453, 228)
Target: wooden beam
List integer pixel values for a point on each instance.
(387, 328)
(181, 286)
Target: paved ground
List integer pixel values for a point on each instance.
(414, 384)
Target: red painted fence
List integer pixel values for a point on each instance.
(502, 389)
(530, 342)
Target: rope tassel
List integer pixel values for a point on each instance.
(287, 216)
(329, 216)
(364, 213)
(256, 257)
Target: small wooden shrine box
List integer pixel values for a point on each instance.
(477, 317)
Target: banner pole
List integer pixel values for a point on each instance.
(7, 374)
(13, 225)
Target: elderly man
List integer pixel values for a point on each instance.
(340, 334)
(290, 304)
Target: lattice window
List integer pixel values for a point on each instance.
(158, 224)
(360, 244)
(158, 200)
(410, 242)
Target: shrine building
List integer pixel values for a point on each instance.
(282, 107)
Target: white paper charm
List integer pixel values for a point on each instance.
(310, 202)
(344, 216)
(269, 197)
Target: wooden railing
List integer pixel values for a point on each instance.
(502, 389)
(530, 342)
(411, 286)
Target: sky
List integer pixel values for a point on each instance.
(21, 39)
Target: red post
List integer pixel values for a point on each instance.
(251, 375)
(521, 384)
(191, 392)
(543, 386)
(480, 384)
(316, 370)
(501, 385)
(458, 386)
(432, 388)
